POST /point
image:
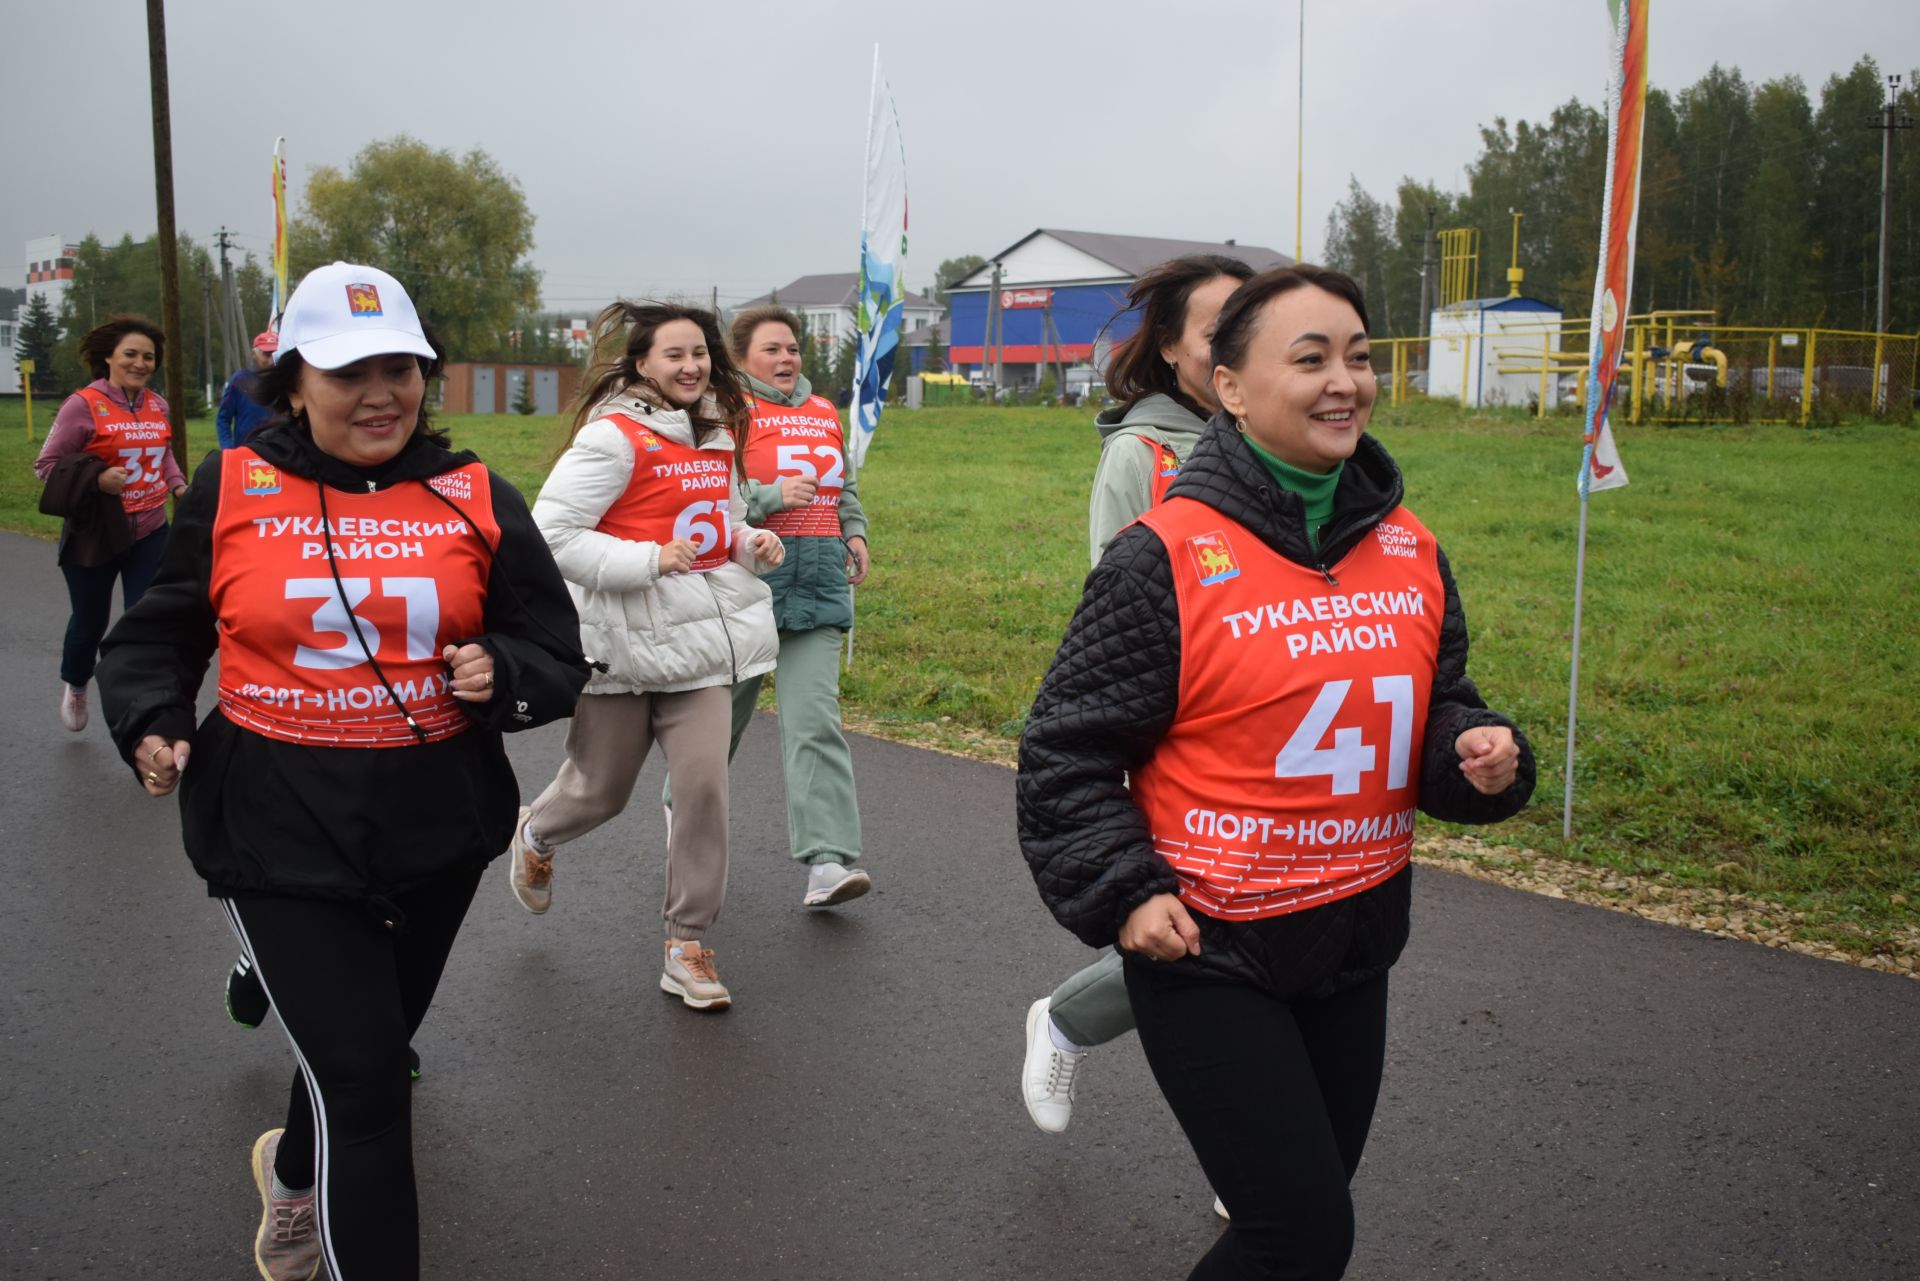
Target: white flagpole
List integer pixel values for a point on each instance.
(1573, 682)
(873, 94)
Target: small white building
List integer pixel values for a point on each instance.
(9, 372)
(49, 261)
(826, 304)
(1471, 341)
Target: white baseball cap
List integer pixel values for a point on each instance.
(344, 312)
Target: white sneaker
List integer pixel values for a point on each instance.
(688, 973)
(1220, 1208)
(830, 884)
(529, 872)
(73, 707)
(1048, 1076)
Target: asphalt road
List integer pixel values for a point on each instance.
(1569, 1093)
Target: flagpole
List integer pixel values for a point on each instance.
(1573, 682)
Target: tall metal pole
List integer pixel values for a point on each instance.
(1887, 123)
(1300, 135)
(1573, 681)
(992, 358)
(176, 369)
(228, 337)
(206, 334)
(1426, 275)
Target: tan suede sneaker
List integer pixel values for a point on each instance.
(691, 977)
(528, 872)
(287, 1245)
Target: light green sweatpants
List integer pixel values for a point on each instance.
(1091, 1008)
(823, 814)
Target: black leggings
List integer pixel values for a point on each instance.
(351, 992)
(1276, 1098)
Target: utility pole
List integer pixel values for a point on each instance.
(1300, 134)
(990, 362)
(169, 238)
(206, 334)
(232, 339)
(1427, 273)
(1885, 120)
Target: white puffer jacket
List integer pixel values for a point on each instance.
(656, 634)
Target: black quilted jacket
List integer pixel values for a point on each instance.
(1112, 694)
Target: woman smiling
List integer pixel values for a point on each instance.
(112, 438)
(382, 610)
(1264, 680)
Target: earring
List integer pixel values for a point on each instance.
(1241, 425)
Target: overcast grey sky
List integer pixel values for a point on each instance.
(675, 147)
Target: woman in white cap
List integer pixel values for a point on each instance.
(382, 609)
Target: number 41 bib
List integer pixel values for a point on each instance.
(1291, 772)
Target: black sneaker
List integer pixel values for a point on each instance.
(247, 1002)
(413, 1064)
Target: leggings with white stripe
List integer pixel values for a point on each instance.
(350, 992)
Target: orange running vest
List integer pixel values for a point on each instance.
(1290, 774)
(1166, 465)
(806, 441)
(675, 491)
(415, 575)
(135, 441)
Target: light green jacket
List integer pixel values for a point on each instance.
(1123, 483)
(810, 589)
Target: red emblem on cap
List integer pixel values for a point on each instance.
(363, 300)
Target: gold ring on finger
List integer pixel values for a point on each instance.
(152, 777)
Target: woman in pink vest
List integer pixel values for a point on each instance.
(1265, 679)
(112, 437)
(383, 610)
(644, 515)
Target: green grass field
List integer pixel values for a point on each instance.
(1747, 709)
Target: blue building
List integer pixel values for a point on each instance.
(1061, 295)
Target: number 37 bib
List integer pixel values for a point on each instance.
(1290, 775)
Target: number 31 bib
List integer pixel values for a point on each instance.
(294, 653)
(1290, 774)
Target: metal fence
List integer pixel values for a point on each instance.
(1681, 367)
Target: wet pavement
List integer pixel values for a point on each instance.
(1569, 1093)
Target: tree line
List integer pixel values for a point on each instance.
(1757, 202)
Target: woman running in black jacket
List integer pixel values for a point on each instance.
(383, 609)
(1265, 678)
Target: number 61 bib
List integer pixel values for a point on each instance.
(295, 645)
(675, 491)
(1290, 775)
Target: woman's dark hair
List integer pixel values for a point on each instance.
(623, 335)
(740, 332)
(274, 387)
(1240, 318)
(1161, 296)
(104, 337)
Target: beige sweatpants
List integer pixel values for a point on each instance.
(607, 744)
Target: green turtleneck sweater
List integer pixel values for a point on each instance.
(1315, 492)
(767, 391)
